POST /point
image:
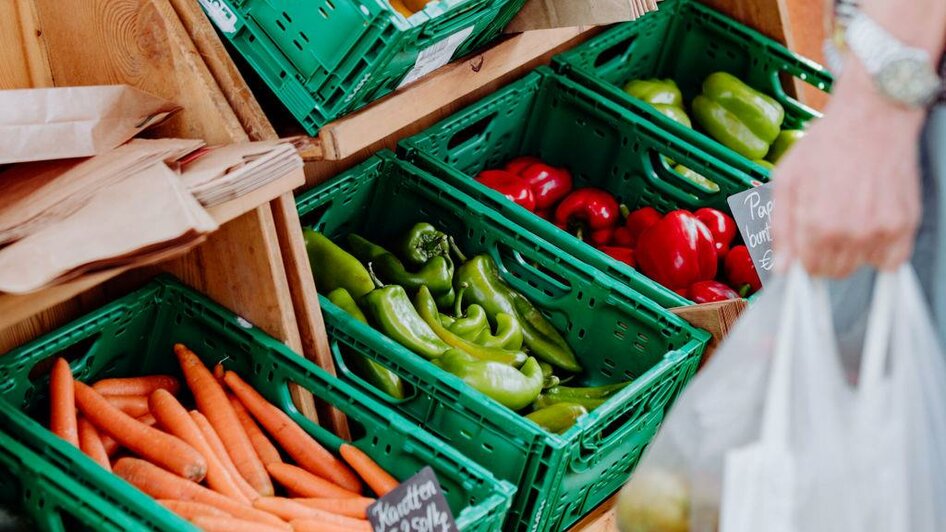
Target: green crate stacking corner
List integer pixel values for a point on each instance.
(326, 58)
(616, 333)
(686, 41)
(602, 144)
(134, 335)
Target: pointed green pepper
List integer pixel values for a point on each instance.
(557, 418)
(427, 310)
(511, 387)
(333, 267)
(392, 313)
(422, 243)
(377, 375)
(488, 290)
(436, 273)
(589, 397)
(466, 325)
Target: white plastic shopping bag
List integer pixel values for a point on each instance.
(758, 441)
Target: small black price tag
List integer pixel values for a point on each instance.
(417, 505)
(752, 210)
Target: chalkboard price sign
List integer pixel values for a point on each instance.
(752, 210)
(417, 505)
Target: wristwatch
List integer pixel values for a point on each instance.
(903, 74)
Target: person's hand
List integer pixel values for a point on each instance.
(848, 193)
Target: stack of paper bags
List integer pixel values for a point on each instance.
(114, 204)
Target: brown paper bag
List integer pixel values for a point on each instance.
(65, 122)
(544, 14)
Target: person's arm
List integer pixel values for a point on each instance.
(848, 193)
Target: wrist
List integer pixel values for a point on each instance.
(856, 90)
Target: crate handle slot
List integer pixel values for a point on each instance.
(615, 52)
(785, 77)
(341, 367)
(659, 174)
(471, 134)
(534, 267)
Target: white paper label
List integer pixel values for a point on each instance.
(436, 56)
(758, 490)
(221, 14)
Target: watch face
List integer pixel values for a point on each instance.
(908, 80)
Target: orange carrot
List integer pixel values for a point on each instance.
(175, 420)
(354, 507)
(229, 524)
(91, 444)
(288, 509)
(111, 446)
(212, 402)
(219, 372)
(294, 440)
(137, 385)
(163, 449)
(300, 482)
(314, 525)
(62, 399)
(379, 480)
(189, 509)
(133, 405)
(265, 449)
(213, 440)
(161, 484)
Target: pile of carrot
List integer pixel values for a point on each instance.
(216, 466)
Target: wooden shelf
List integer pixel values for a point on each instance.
(15, 308)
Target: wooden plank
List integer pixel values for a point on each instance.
(766, 16)
(439, 94)
(716, 318)
(601, 519)
(305, 301)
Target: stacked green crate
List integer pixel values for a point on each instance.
(134, 336)
(616, 333)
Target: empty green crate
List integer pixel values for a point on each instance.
(135, 334)
(687, 41)
(325, 58)
(616, 333)
(602, 144)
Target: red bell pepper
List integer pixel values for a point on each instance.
(621, 254)
(710, 291)
(519, 164)
(622, 237)
(677, 251)
(721, 225)
(740, 271)
(549, 184)
(590, 208)
(510, 185)
(639, 220)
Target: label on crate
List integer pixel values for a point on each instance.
(220, 14)
(436, 56)
(752, 210)
(417, 505)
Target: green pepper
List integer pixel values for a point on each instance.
(677, 114)
(656, 91)
(783, 142)
(333, 267)
(488, 290)
(392, 312)
(427, 310)
(377, 375)
(557, 418)
(698, 179)
(737, 115)
(422, 243)
(765, 164)
(466, 325)
(511, 387)
(508, 333)
(549, 378)
(436, 274)
(589, 397)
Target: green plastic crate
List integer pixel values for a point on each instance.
(135, 334)
(617, 334)
(604, 145)
(325, 58)
(687, 41)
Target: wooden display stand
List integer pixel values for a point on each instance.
(256, 263)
